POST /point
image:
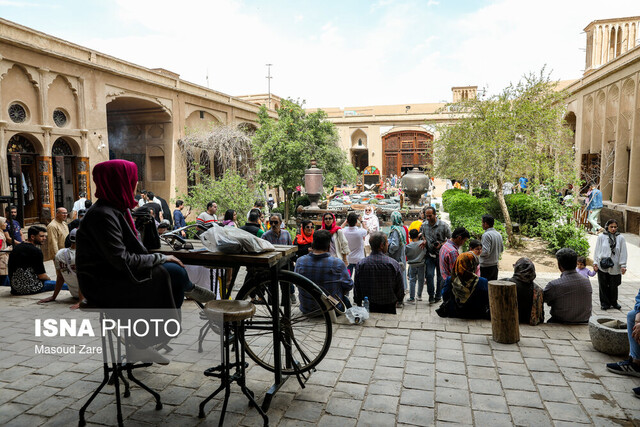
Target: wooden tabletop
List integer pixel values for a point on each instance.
(201, 256)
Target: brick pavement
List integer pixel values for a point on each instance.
(410, 369)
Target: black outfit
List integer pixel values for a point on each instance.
(251, 227)
(115, 270)
(608, 286)
(151, 205)
(28, 257)
(166, 210)
(489, 273)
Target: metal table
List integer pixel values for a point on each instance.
(273, 261)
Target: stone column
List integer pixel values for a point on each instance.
(4, 171)
(633, 197)
(625, 39)
(605, 44)
(598, 47)
(621, 162)
(44, 89)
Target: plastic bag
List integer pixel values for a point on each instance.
(232, 240)
(356, 314)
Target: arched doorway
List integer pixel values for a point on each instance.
(23, 179)
(141, 130)
(63, 174)
(359, 150)
(404, 150)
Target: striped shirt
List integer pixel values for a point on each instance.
(448, 255)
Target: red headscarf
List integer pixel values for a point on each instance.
(334, 226)
(116, 182)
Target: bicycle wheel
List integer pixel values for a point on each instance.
(308, 336)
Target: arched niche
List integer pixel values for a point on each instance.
(18, 86)
(156, 164)
(359, 139)
(62, 104)
(201, 120)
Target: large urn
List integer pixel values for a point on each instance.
(313, 184)
(414, 184)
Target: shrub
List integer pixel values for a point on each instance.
(481, 193)
(530, 210)
(563, 236)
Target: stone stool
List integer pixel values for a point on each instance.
(234, 313)
(113, 370)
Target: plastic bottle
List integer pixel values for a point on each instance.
(365, 303)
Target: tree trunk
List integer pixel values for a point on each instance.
(287, 200)
(503, 303)
(470, 190)
(505, 212)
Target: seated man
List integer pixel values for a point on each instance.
(450, 251)
(569, 296)
(65, 262)
(631, 366)
(379, 278)
(26, 265)
(328, 272)
(253, 223)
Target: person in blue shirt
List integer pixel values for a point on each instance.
(328, 272)
(631, 366)
(523, 183)
(594, 206)
(178, 217)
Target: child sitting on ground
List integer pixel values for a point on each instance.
(583, 269)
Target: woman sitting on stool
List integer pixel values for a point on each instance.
(114, 268)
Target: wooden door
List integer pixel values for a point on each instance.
(83, 183)
(15, 185)
(45, 188)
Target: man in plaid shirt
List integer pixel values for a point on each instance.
(379, 278)
(328, 272)
(449, 251)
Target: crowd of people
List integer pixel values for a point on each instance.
(99, 256)
(399, 263)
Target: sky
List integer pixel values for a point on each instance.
(333, 53)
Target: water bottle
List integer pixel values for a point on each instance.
(365, 303)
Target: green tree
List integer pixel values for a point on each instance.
(518, 132)
(285, 148)
(231, 191)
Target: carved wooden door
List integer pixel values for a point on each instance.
(83, 183)
(45, 188)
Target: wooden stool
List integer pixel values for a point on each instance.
(113, 374)
(503, 302)
(234, 313)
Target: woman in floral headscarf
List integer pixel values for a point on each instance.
(530, 295)
(397, 243)
(370, 223)
(465, 295)
(339, 244)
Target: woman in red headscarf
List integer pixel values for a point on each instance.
(339, 244)
(114, 268)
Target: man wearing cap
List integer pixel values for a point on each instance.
(66, 278)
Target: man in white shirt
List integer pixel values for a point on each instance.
(65, 263)
(79, 204)
(355, 235)
(209, 215)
